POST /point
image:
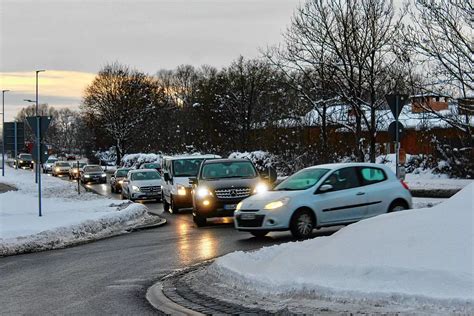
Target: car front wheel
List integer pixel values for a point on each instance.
(199, 220)
(302, 224)
(397, 206)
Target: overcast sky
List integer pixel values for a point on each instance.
(73, 39)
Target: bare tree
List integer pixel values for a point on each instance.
(348, 44)
(441, 39)
(122, 101)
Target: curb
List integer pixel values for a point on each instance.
(173, 296)
(159, 301)
(162, 222)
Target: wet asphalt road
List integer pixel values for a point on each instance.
(111, 276)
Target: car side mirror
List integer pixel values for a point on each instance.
(325, 188)
(193, 181)
(270, 175)
(112, 178)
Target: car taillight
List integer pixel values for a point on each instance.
(404, 185)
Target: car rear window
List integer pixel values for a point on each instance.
(372, 175)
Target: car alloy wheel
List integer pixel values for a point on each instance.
(302, 224)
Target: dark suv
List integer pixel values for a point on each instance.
(221, 184)
(25, 161)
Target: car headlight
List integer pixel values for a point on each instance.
(276, 204)
(21, 161)
(135, 188)
(260, 188)
(238, 206)
(181, 190)
(120, 181)
(202, 192)
(57, 169)
(103, 175)
(87, 176)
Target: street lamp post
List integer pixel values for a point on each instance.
(3, 132)
(38, 145)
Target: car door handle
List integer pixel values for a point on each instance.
(360, 193)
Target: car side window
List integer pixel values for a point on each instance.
(343, 179)
(372, 175)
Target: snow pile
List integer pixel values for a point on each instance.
(423, 255)
(261, 159)
(68, 218)
(135, 160)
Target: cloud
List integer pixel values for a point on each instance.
(52, 83)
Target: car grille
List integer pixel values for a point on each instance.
(249, 210)
(257, 222)
(233, 193)
(150, 189)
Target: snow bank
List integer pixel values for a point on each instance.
(68, 218)
(134, 160)
(424, 254)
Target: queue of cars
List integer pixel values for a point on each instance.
(318, 196)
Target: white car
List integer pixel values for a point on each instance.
(48, 165)
(324, 195)
(60, 168)
(142, 184)
(176, 173)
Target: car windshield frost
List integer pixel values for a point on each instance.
(186, 167)
(301, 180)
(93, 169)
(151, 165)
(26, 157)
(148, 175)
(122, 172)
(232, 169)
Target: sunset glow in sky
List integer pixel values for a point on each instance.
(73, 39)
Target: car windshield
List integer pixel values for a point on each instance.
(186, 167)
(122, 172)
(51, 160)
(151, 166)
(92, 169)
(62, 164)
(81, 164)
(145, 175)
(26, 156)
(301, 180)
(231, 169)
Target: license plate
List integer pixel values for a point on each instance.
(151, 194)
(247, 217)
(230, 206)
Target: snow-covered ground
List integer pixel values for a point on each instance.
(67, 218)
(420, 257)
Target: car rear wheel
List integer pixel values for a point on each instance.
(259, 233)
(302, 224)
(199, 220)
(397, 206)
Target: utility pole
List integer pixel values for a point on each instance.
(3, 132)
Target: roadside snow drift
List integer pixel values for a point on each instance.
(415, 254)
(68, 218)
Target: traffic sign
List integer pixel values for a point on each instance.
(44, 123)
(44, 153)
(396, 103)
(392, 130)
(12, 129)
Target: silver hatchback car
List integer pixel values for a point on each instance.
(324, 195)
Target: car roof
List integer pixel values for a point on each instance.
(334, 166)
(226, 160)
(142, 170)
(179, 157)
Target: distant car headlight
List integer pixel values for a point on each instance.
(239, 206)
(181, 190)
(87, 176)
(202, 192)
(276, 204)
(103, 175)
(21, 161)
(120, 181)
(135, 188)
(260, 188)
(57, 169)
